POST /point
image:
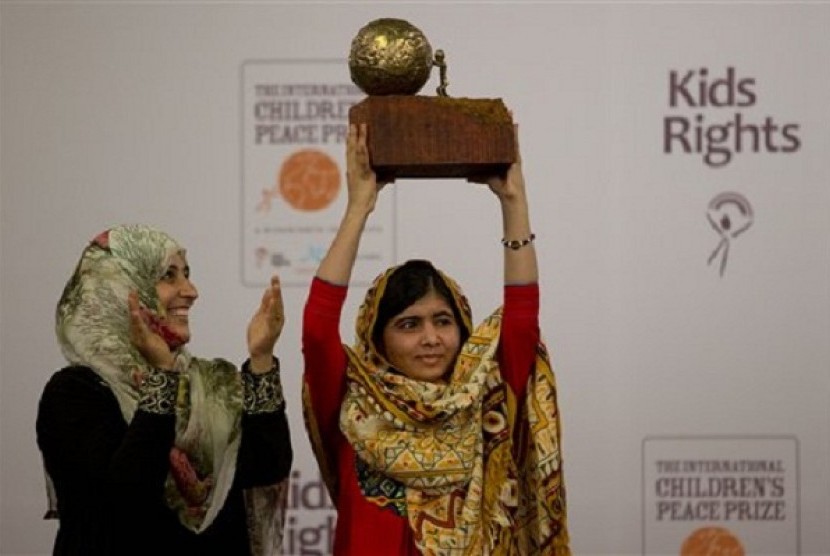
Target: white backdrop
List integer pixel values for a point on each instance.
(130, 111)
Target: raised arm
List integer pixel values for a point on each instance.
(520, 325)
(520, 266)
(363, 187)
(323, 353)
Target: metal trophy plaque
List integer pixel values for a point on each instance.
(417, 136)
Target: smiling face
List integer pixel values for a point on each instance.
(176, 295)
(423, 340)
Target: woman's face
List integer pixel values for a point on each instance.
(176, 295)
(423, 340)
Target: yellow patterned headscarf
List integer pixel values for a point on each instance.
(444, 455)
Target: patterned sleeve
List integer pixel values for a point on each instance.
(157, 393)
(265, 454)
(262, 393)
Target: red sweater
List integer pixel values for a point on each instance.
(363, 528)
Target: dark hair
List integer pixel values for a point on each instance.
(407, 284)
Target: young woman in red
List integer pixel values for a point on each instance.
(434, 437)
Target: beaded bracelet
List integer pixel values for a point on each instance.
(518, 243)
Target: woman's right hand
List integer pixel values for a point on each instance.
(149, 344)
(361, 180)
(336, 266)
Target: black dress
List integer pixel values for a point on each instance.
(109, 476)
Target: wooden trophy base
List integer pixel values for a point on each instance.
(412, 136)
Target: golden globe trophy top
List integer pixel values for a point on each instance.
(416, 136)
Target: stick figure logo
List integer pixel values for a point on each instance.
(730, 215)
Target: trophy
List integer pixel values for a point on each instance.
(417, 136)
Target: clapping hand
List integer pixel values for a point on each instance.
(149, 343)
(265, 327)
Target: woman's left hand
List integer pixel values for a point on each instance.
(511, 185)
(265, 328)
(520, 265)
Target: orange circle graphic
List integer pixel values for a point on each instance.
(309, 180)
(712, 541)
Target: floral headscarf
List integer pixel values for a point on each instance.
(443, 454)
(93, 329)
